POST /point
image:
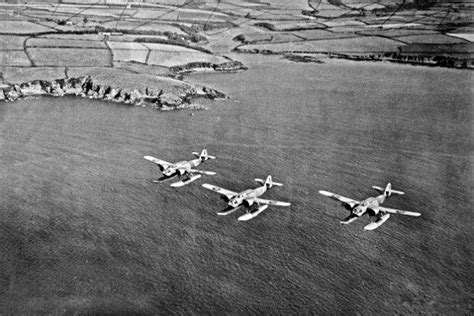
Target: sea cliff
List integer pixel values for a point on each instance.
(86, 86)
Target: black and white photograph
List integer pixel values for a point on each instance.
(236, 157)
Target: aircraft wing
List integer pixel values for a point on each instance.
(229, 194)
(209, 173)
(161, 163)
(395, 211)
(338, 197)
(272, 202)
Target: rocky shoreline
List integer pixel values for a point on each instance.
(230, 66)
(394, 57)
(425, 60)
(86, 86)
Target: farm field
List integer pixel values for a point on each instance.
(24, 74)
(321, 95)
(141, 25)
(64, 43)
(9, 42)
(126, 55)
(114, 77)
(171, 58)
(73, 57)
(14, 58)
(22, 27)
(431, 39)
(222, 28)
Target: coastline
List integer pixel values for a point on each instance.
(136, 59)
(393, 57)
(179, 96)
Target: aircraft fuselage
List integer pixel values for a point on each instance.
(248, 196)
(181, 167)
(371, 203)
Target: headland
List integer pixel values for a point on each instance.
(49, 48)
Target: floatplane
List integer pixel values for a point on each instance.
(248, 198)
(370, 206)
(184, 170)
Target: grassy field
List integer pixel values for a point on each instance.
(139, 68)
(132, 38)
(467, 36)
(431, 39)
(116, 78)
(396, 32)
(24, 74)
(171, 55)
(270, 37)
(127, 55)
(14, 58)
(21, 27)
(142, 25)
(171, 58)
(173, 14)
(74, 37)
(321, 35)
(73, 57)
(126, 46)
(214, 26)
(64, 43)
(8, 42)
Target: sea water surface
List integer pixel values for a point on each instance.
(84, 229)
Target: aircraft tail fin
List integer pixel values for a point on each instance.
(269, 182)
(387, 191)
(203, 155)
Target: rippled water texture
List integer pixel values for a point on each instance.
(84, 229)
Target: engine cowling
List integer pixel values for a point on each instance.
(248, 202)
(349, 207)
(235, 202)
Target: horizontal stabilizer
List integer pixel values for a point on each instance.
(397, 192)
(203, 155)
(381, 190)
(269, 182)
(387, 191)
(262, 182)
